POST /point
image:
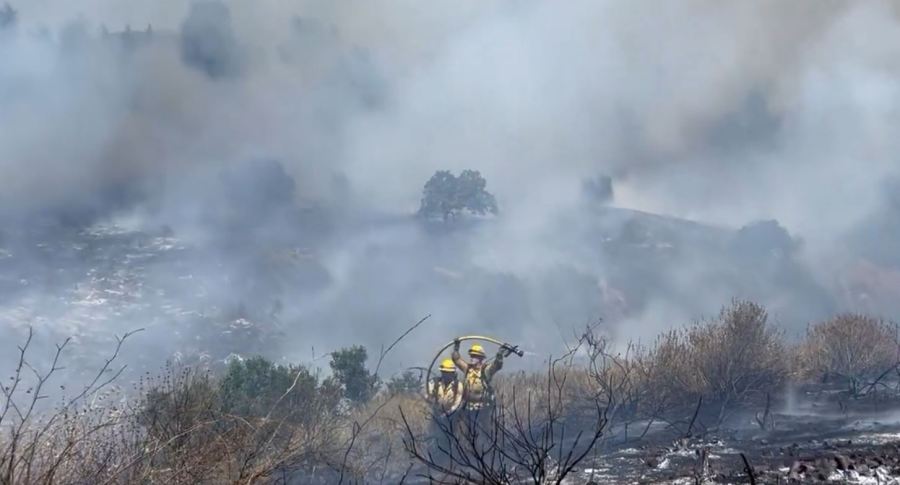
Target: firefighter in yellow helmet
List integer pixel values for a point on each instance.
(445, 392)
(478, 393)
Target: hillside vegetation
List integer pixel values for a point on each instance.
(259, 422)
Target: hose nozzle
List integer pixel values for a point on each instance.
(514, 349)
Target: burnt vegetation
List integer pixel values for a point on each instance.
(256, 421)
(239, 258)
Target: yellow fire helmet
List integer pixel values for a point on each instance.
(447, 366)
(477, 351)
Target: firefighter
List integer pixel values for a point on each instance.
(445, 392)
(478, 396)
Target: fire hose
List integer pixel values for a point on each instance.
(512, 348)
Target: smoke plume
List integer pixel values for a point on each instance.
(242, 177)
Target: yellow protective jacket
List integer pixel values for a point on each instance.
(446, 397)
(478, 379)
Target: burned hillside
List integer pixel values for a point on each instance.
(99, 276)
(676, 222)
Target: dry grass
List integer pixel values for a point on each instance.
(177, 430)
(50, 446)
(189, 438)
(374, 434)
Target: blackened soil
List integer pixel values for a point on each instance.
(829, 438)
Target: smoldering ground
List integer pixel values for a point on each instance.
(242, 177)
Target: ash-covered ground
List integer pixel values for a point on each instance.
(812, 435)
(299, 296)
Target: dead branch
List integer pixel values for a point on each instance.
(690, 428)
(401, 337)
(749, 469)
(765, 421)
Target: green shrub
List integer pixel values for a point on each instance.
(409, 382)
(255, 386)
(349, 367)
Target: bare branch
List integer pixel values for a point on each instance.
(384, 352)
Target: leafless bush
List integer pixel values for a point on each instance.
(723, 362)
(736, 355)
(628, 380)
(40, 446)
(853, 348)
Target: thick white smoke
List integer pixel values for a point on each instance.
(721, 113)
